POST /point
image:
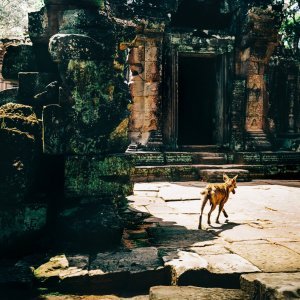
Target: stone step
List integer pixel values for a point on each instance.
(182, 172)
(271, 285)
(195, 293)
(210, 154)
(129, 271)
(216, 175)
(198, 148)
(191, 172)
(213, 160)
(164, 173)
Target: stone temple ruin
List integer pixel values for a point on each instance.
(116, 92)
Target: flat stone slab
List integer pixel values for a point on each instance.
(268, 257)
(271, 285)
(177, 192)
(195, 293)
(228, 263)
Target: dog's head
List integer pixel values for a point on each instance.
(230, 182)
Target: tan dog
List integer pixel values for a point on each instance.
(217, 194)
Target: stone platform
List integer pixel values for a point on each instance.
(255, 253)
(210, 166)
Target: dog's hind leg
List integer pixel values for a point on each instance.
(225, 213)
(211, 210)
(205, 199)
(220, 209)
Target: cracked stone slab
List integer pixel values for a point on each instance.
(229, 263)
(195, 293)
(271, 285)
(268, 257)
(244, 232)
(294, 246)
(210, 248)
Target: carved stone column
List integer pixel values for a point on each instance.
(144, 61)
(259, 41)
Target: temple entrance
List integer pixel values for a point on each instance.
(196, 100)
(196, 103)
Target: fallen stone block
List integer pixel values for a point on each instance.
(220, 270)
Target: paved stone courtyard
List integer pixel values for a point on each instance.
(255, 254)
(261, 235)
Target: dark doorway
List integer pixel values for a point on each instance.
(196, 100)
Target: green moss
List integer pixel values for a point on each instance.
(118, 140)
(98, 176)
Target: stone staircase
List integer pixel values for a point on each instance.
(208, 163)
(258, 140)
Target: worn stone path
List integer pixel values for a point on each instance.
(257, 249)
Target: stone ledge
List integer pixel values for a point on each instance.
(195, 293)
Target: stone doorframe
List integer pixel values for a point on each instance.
(185, 44)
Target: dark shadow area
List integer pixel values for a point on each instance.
(197, 80)
(201, 14)
(203, 278)
(225, 226)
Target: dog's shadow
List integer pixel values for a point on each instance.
(219, 228)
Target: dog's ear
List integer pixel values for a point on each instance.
(235, 177)
(225, 177)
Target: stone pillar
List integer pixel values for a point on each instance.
(144, 61)
(255, 103)
(261, 38)
(291, 98)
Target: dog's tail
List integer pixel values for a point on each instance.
(208, 191)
